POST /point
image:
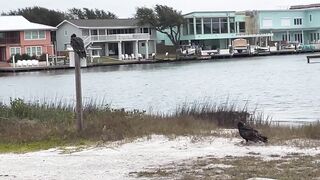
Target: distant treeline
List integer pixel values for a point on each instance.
(53, 17)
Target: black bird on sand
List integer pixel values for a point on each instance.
(78, 46)
(250, 134)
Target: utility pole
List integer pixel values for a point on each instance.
(79, 115)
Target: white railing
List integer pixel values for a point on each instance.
(116, 37)
(86, 41)
(254, 35)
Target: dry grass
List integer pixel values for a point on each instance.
(22, 124)
(278, 133)
(291, 167)
(32, 126)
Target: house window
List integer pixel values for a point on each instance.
(15, 50)
(185, 29)
(314, 37)
(310, 17)
(34, 50)
(145, 30)
(224, 25)
(94, 32)
(242, 27)
(207, 25)
(298, 37)
(65, 33)
(297, 21)
(143, 44)
(191, 28)
(232, 25)
(198, 26)
(215, 26)
(32, 35)
(102, 32)
(286, 37)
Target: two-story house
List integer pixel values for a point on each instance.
(299, 25)
(217, 29)
(111, 37)
(19, 36)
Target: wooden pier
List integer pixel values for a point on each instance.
(312, 57)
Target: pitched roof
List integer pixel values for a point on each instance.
(308, 6)
(19, 23)
(103, 22)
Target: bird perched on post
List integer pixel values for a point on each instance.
(78, 46)
(250, 134)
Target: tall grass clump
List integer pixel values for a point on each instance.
(225, 114)
(32, 126)
(22, 123)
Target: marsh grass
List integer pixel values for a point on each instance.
(28, 126)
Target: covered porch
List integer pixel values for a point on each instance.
(123, 50)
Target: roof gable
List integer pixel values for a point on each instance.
(101, 23)
(19, 23)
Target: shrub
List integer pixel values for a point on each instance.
(25, 56)
(33, 57)
(16, 57)
(19, 107)
(43, 57)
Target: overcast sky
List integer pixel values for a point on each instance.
(126, 8)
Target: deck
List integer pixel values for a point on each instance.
(5, 67)
(312, 57)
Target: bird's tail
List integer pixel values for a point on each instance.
(263, 138)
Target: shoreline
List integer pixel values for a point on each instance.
(157, 156)
(130, 62)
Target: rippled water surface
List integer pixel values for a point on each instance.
(284, 87)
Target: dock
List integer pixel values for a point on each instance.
(312, 57)
(6, 68)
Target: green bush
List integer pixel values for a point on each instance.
(43, 57)
(19, 107)
(34, 57)
(16, 57)
(25, 56)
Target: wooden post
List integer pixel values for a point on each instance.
(79, 115)
(47, 59)
(14, 61)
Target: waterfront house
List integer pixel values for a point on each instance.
(217, 29)
(19, 36)
(121, 38)
(299, 24)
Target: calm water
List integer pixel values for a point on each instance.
(285, 87)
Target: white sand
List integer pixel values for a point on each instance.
(118, 162)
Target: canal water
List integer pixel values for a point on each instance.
(283, 87)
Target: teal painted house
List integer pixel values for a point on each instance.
(216, 30)
(293, 25)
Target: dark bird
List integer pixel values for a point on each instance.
(250, 134)
(78, 46)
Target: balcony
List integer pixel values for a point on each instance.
(247, 35)
(116, 37)
(9, 38)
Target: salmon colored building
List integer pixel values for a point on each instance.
(20, 36)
